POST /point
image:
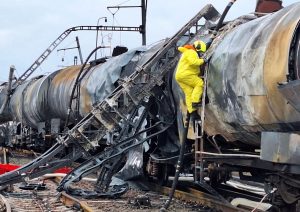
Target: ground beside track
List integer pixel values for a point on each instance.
(48, 200)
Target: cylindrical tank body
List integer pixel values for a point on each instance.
(47, 97)
(28, 102)
(245, 69)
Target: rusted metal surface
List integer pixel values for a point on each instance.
(45, 98)
(250, 56)
(71, 201)
(245, 69)
(16, 102)
(285, 147)
(33, 98)
(28, 103)
(60, 89)
(268, 6)
(248, 61)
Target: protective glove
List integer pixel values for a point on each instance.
(206, 60)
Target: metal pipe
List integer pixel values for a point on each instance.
(143, 27)
(229, 155)
(10, 78)
(221, 20)
(77, 81)
(79, 49)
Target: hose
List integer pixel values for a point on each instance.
(221, 20)
(64, 184)
(186, 127)
(179, 164)
(76, 83)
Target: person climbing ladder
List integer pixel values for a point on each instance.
(187, 75)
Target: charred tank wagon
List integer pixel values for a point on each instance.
(252, 115)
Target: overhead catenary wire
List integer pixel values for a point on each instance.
(123, 2)
(120, 41)
(113, 19)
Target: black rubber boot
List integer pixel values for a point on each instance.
(196, 104)
(195, 116)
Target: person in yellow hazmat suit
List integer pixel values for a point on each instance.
(187, 75)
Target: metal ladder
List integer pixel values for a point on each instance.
(60, 39)
(136, 89)
(108, 116)
(199, 135)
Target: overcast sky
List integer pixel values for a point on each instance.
(27, 27)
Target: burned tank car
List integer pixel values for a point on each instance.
(41, 103)
(252, 117)
(249, 71)
(246, 68)
(250, 65)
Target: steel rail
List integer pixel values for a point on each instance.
(5, 203)
(193, 195)
(70, 201)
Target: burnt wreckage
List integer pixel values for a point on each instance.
(125, 115)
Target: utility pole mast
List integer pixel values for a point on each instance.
(142, 27)
(144, 15)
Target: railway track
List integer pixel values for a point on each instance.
(188, 198)
(201, 198)
(34, 200)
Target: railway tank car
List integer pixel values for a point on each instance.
(253, 104)
(47, 97)
(40, 106)
(246, 72)
(252, 78)
(252, 115)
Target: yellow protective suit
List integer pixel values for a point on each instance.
(187, 76)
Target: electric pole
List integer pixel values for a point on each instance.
(142, 27)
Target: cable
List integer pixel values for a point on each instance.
(120, 142)
(123, 3)
(115, 19)
(264, 197)
(170, 90)
(221, 20)
(230, 155)
(214, 143)
(165, 159)
(65, 181)
(179, 164)
(76, 82)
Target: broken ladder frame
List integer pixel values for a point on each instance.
(106, 116)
